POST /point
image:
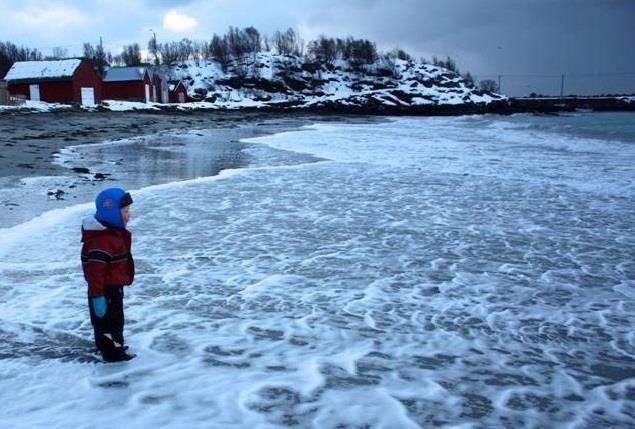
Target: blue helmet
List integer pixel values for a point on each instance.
(109, 202)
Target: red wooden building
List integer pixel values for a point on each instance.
(178, 92)
(127, 83)
(60, 81)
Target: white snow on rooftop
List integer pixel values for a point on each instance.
(42, 69)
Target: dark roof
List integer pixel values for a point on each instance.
(120, 74)
(173, 84)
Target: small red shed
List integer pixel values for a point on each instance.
(127, 83)
(177, 90)
(58, 81)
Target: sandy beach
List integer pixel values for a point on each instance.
(29, 141)
(34, 179)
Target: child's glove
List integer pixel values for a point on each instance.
(99, 306)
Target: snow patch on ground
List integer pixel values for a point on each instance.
(37, 106)
(124, 106)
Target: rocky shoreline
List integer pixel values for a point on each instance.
(546, 105)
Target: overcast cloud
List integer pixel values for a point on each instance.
(485, 37)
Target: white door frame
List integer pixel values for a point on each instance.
(34, 92)
(88, 96)
(147, 93)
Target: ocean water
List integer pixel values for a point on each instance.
(420, 272)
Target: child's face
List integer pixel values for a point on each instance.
(125, 215)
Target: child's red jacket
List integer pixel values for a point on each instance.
(106, 257)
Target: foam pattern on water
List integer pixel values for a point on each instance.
(341, 294)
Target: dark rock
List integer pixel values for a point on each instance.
(295, 84)
(58, 194)
(311, 67)
(81, 170)
(262, 98)
(403, 96)
(201, 92)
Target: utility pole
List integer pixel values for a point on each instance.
(562, 86)
(101, 58)
(155, 48)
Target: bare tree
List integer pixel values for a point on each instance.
(206, 52)
(89, 50)
(324, 49)
(220, 51)
(488, 85)
(469, 80)
(117, 60)
(237, 41)
(98, 56)
(288, 43)
(401, 54)
(59, 53)
(153, 48)
(450, 64)
(186, 49)
(362, 52)
(131, 55)
(253, 37)
(169, 52)
(10, 53)
(386, 65)
(343, 48)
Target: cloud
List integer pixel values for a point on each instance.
(51, 17)
(487, 38)
(178, 22)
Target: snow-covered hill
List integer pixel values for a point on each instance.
(273, 80)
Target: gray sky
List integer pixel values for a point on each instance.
(515, 38)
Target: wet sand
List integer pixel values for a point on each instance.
(31, 183)
(29, 141)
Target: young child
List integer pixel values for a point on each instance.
(108, 267)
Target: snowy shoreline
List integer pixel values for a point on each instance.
(543, 105)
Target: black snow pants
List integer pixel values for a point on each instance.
(109, 329)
